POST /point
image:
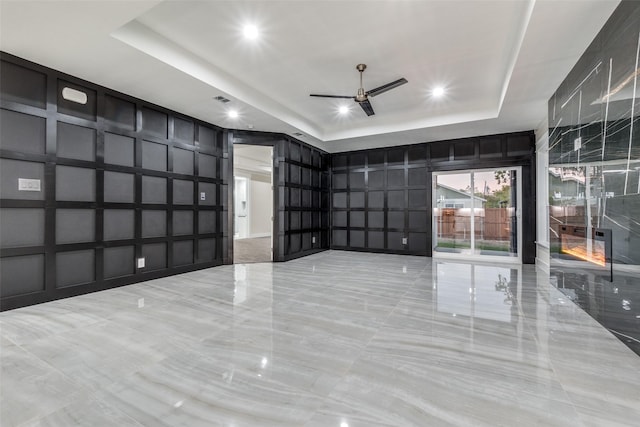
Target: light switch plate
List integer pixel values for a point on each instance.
(404, 240)
(203, 196)
(25, 184)
(313, 239)
(141, 262)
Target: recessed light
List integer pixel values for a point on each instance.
(437, 91)
(343, 109)
(232, 114)
(250, 32)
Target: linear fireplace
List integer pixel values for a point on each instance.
(587, 244)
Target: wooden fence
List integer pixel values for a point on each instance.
(492, 224)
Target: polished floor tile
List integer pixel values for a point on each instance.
(340, 339)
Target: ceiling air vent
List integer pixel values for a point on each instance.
(222, 99)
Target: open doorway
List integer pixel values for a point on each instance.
(253, 203)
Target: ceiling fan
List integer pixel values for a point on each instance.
(362, 97)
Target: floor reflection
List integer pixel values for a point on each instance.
(616, 305)
(478, 291)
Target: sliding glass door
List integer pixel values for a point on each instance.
(476, 213)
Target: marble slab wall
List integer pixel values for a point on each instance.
(594, 139)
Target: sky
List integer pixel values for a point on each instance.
(460, 181)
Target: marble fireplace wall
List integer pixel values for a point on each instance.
(594, 139)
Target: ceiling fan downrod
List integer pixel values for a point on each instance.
(361, 96)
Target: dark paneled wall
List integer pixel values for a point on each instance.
(382, 196)
(594, 139)
(301, 194)
(119, 179)
(303, 199)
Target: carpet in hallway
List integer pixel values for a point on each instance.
(256, 249)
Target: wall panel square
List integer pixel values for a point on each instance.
(207, 166)
(183, 161)
(154, 190)
(75, 268)
(75, 226)
(183, 252)
(12, 170)
(118, 149)
(119, 187)
(182, 192)
(76, 142)
(206, 250)
(154, 223)
(155, 255)
(119, 224)
(183, 130)
(206, 222)
(21, 227)
(21, 275)
(154, 156)
(119, 261)
(22, 132)
(119, 112)
(154, 122)
(22, 85)
(75, 184)
(182, 222)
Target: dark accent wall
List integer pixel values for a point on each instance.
(594, 139)
(381, 196)
(301, 194)
(119, 178)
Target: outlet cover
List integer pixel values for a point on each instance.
(313, 239)
(404, 240)
(141, 262)
(577, 144)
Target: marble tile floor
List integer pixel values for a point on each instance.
(340, 339)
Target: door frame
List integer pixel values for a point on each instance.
(231, 194)
(474, 257)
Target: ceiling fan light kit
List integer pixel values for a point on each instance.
(362, 96)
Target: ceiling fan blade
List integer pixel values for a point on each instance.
(388, 86)
(333, 96)
(366, 106)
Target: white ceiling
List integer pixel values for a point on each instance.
(253, 159)
(500, 60)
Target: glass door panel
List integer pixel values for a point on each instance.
(452, 213)
(496, 231)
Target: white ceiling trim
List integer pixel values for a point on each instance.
(144, 39)
(148, 41)
(516, 52)
(419, 123)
